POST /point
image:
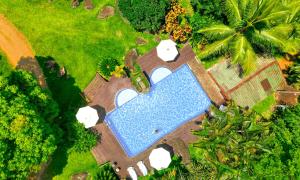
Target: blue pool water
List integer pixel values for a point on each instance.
(145, 119)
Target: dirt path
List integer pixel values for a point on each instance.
(12, 42)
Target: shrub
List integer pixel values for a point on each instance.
(145, 15)
(83, 140)
(106, 66)
(106, 172)
(179, 30)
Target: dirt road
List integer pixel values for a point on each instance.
(13, 43)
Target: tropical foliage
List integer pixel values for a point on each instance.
(107, 66)
(27, 134)
(283, 162)
(237, 143)
(106, 172)
(253, 27)
(119, 71)
(293, 75)
(145, 15)
(231, 140)
(179, 30)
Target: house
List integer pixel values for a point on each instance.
(250, 89)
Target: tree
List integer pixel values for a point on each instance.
(83, 140)
(27, 134)
(283, 162)
(231, 141)
(253, 26)
(145, 15)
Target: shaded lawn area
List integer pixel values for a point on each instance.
(77, 163)
(5, 68)
(75, 38)
(265, 107)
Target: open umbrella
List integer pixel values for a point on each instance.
(160, 158)
(88, 116)
(167, 50)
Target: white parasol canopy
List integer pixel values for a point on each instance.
(88, 116)
(167, 50)
(160, 158)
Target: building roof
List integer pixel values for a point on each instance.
(228, 76)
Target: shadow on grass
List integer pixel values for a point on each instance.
(67, 95)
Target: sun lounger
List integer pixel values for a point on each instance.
(132, 173)
(142, 167)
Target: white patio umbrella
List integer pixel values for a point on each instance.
(88, 116)
(160, 158)
(167, 50)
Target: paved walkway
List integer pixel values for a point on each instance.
(13, 43)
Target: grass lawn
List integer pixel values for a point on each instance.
(77, 163)
(5, 68)
(76, 39)
(265, 106)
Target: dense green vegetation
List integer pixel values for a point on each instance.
(293, 75)
(145, 15)
(253, 27)
(5, 68)
(28, 135)
(238, 143)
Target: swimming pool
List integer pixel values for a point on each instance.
(147, 118)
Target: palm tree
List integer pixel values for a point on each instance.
(252, 25)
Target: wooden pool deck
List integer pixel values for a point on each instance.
(101, 94)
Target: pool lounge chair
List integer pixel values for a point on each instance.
(142, 168)
(132, 173)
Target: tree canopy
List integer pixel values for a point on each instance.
(253, 27)
(27, 135)
(238, 143)
(145, 15)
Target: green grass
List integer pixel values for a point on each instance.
(265, 106)
(75, 38)
(76, 163)
(5, 68)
